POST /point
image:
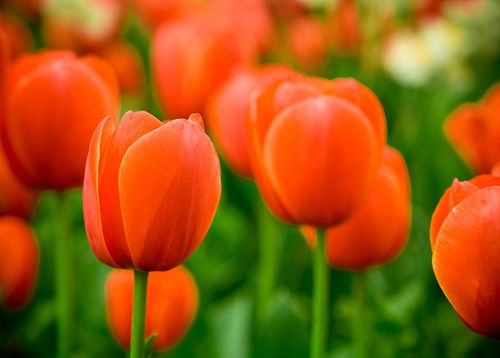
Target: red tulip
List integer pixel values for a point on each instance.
(346, 31)
(379, 229)
(171, 304)
(303, 155)
(229, 109)
(53, 101)
(18, 262)
(192, 57)
(464, 239)
(474, 130)
(150, 192)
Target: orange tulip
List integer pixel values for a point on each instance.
(18, 262)
(474, 130)
(53, 101)
(229, 108)
(379, 229)
(171, 304)
(150, 190)
(303, 155)
(346, 31)
(192, 57)
(464, 239)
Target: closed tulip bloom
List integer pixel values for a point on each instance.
(229, 108)
(155, 12)
(464, 239)
(150, 192)
(171, 301)
(379, 229)
(303, 155)
(308, 41)
(18, 262)
(474, 130)
(53, 101)
(191, 58)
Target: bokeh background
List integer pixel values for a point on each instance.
(422, 59)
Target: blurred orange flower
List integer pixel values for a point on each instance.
(18, 262)
(229, 108)
(302, 152)
(53, 101)
(192, 57)
(156, 12)
(171, 305)
(308, 41)
(18, 35)
(150, 191)
(379, 229)
(464, 239)
(474, 130)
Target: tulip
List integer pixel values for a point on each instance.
(473, 130)
(346, 30)
(229, 109)
(172, 300)
(464, 240)
(53, 102)
(149, 222)
(18, 262)
(379, 229)
(302, 152)
(306, 166)
(192, 57)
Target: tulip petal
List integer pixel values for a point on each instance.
(90, 195)
(322, 157)
(379, 229)
(133, 126)
(263, 110)
(465, 260)
(169, 184)
(453, 196)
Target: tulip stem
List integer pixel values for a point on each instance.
(267, 264)
(359, 321)
(320, 312)
(137, 340)
(62, 262)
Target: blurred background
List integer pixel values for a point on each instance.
(422, 58)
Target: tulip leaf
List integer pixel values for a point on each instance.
(148, 349)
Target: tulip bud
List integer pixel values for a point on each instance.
(53, 101)
(314, 154)
(150, 191)
(464, 239)
(18, 262)
(171, 304)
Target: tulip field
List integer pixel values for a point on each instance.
(250, 178)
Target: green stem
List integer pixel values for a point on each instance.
(138, 314)
(359, 323)
(63, 259)
(320, 299)
(267, 264)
